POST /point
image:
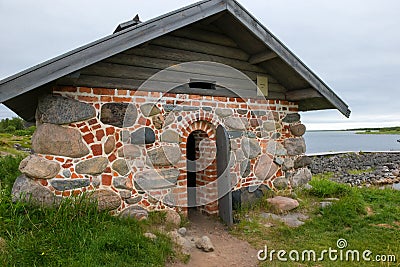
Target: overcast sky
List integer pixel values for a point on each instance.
(353, 45)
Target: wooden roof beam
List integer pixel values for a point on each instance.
(298, 95)
(262, 57)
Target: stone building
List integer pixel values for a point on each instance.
(195, 108)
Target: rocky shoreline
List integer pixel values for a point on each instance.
(359, 168)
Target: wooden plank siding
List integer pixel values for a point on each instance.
(131, 68)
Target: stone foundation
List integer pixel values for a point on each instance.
(129, 147)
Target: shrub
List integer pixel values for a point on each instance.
(27, 131)
(10, 129)
(326, 188)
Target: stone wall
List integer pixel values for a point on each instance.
(129, 147)
(359, 168)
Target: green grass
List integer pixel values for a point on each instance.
(358, 172)
(8, 140)
(367, 218)
(74, 234)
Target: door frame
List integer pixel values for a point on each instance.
(224, 181)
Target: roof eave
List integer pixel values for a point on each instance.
(84, 56)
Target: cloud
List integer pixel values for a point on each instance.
(351, 44)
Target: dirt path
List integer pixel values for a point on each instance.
(229, 251)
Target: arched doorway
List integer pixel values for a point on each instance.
(200, 169)
(208, 175)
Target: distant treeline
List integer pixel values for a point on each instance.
(383, 129)
(16, 126)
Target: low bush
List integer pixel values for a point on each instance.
(323, 187)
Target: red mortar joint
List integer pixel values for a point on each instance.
(88, 99)
(67, 165)
(145, 203)
(76, 193)
(106, 179)
(95, 127)
(43, 182)
(69, 89)
(97, 150)
(110, 130)
(100, 134)
(85, 129)
(79, 125)
(85, 90)
(60, 160)
(92, 122)
(49, 157)
(106, 99)
(89, 138)
(142, 121)
(121, 99)
(111, 158)
(139, 93)
(122, 92)
(139, 100)
(103, 91)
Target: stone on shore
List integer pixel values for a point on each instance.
(282, 204)
(134, 212)
(300, 178)
(205, 244)
(173, 218)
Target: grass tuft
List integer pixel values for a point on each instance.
(74, 234)
(322, 187)
(377, 230)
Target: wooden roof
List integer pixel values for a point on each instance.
(19, 92)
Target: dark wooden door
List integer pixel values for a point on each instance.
(224, 181)
(191, 170)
